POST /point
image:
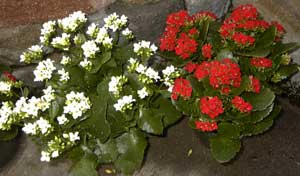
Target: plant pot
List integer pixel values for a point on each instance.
(9, 150)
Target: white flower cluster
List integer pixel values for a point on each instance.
(47, 31)
(170, 73)
(44, 70)
(144, 49)
(86, 64)
(5, 87)
(62, 120)
(127, 33)
(72, 22)
(90, 49)
(146, 75)
(143, 93)
(42, 126)
(65, 60)
(34, 53)
(115, 85)
(76, 104)
(124, 103)
(92, 30)
(64, 76)
(6, 112)
(104, 38)
(62, 42)
(115, 22)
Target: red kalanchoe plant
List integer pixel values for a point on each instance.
(229, 73)
(212, 106)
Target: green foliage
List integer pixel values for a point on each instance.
(85, 166)
(9, 134)
(150, 122)
(261, 100)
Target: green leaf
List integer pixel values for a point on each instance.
(285, 71)
(54, 109)
(257, 116)
(76, 76)
(150, 121)
(267, 38)
(198, 88)
(258, 52)
(224, 149)
(131, 146)
(96, 124)
(107, 152)
(9, 135)
(99, 61)
(187, 107)
(264, 125)
(224, 53)
(261, 100)
(168, 111)
(281, 48)
(228, 130)
(85, 166)
(204, 30)
(75, 154)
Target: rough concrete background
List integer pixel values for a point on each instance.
(275, 153)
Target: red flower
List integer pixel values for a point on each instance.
(185, 46)
(225, 90)
(178, 19)
(9, 76)
(204, 15)
(242, 39)
(202, 70)
(261, 62)
(212, 106)
(190, 67)
(206, 126)
(240, 104)
(181, 87)
(254, 25)
(255, 84)
(193, 31)
(278, 26)
(206, 51)
(242, 13)
(168, 40)
(227, 29)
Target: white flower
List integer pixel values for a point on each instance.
(20, 105)
(114, 22)
(5, 87)
(124, 103)
(90, 49)
(48, 94)
(92, 30)
(62, 119)
(5, 112)
(30, 128)
(48, 28)
(64, 76)
(43, 125)
(62, 42)
(65, 60)
(169, 70)
(44, 70)
(126, 32)
(45, 156)
(32, 106)
(36, 48)
(116, 83)
(54, 154)
(86, 64)
(72, 22)
(102, 34)
(33, 53)
(76, 104)
(144, 48)
(107, 42)
(74, 136)
(141, 68)
(143, 93)
(152, 74)
(153, 48)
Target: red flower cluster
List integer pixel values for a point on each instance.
(242, 39)
(255, 84)
(168, 41)
(280, 29)
(178, 19)
(212, 106)
(181, 87)
(10, 76)
(206, 126)
(243, 13)
(186, 46)
(221, 73)
(207, 51)
(240, 104)
(204, 15)
(190, 67)
(254, 25)
(261, 62)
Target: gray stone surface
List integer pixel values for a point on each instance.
(26, 75)
(27, 163)
(219, 7)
